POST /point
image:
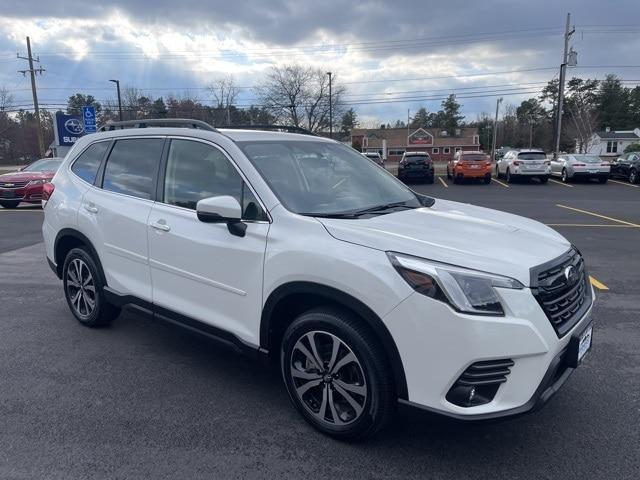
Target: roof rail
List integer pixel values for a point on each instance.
(276, 128)
(157, 122)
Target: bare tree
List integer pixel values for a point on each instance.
(224, 92)
(299, 96)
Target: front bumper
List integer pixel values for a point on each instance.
(437, 345)
(29, 194)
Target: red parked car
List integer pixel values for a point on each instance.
(26, 184)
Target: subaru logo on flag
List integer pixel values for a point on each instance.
(74, 126)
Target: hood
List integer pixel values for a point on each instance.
(458, 234)
(25, 176)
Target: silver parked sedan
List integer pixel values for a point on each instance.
(571, 166)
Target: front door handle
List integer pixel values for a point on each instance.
(160, 225)
(91, 208)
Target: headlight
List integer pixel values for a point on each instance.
(468, 291)
(39, 182)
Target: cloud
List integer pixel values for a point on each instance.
(369, 45)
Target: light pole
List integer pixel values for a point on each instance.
(563, 72)
(495, 131)
(117, 82)
(330, 108)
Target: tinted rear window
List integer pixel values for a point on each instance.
(86, 166)
(474, 157)
(131, 166)
(532, 156)
(417, 158)
(588, 158)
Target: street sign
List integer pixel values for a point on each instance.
(89, 119)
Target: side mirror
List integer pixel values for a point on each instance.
(222, 209)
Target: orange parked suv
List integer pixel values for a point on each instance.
(469, 165)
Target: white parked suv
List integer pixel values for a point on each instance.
(524, 163)
(297, 249)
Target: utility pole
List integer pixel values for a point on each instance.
(563, 70)
(33, 71)
(330, 108)
(117, 82)
(495, 130)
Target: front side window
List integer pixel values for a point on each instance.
(86, 165)
(196, 171)
(132, 165)
(322, 178)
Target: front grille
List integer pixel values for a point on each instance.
(479, 383)
(561, 288)
(13, 184)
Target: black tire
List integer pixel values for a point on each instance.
(544, 179)
(80, 265)
(431, 179)
(498, 175)
(510, 178)
(448, 174)
(8, 204)
(603, 179)
(369, 373)
(487, 179)
(633, 176)
(455, 179)
(565, 176)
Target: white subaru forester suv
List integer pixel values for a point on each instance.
(297, 249)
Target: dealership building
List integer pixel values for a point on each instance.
(438, 143)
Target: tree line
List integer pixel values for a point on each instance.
(299, 96)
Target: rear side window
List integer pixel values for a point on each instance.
(86, 165)
(196, 171)
(132, 165)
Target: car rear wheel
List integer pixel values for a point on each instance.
(448, 174)
(565, 176)
(487, 179)
(83, 289)
(6, 204)
(510, 178)
(337, 374)
(603, 179)
(498, 176)
(633, 176)
(544, 179)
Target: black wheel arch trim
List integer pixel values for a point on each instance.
(70, 232)
(349, 302)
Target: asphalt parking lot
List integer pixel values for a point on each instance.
(142, 400)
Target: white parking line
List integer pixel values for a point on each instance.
(623, 183)
(560, 183)
(444, 184)
(499, 182)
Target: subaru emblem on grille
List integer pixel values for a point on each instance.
(570, 274)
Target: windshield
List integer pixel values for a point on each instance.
(44, 165)
(474, 157)
(587, 158)
(532, 156)
(321, 178)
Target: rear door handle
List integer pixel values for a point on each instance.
(161, 226)
(91, 208)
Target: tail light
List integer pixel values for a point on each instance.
(487, 164)
(605, 164)
(547, 162)
(47, 191)
(579, 165)
(517, 162)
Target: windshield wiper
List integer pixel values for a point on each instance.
(383, 208)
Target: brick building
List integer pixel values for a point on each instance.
(439, 144)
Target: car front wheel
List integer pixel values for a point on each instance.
(337, 375)
(633, 176)
(565, 176)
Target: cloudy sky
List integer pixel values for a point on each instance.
(391, 55)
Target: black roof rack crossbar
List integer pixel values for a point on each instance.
(276, 128)
(157, 122)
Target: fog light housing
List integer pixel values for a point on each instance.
(479, 383)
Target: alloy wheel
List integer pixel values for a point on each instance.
(328, 378)
(633, 177)
(81, 288)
